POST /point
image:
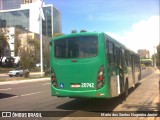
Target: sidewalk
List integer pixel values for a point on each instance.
(31, 74)
(35, 77)
(3, 74)
(24, 81)
(146, 97)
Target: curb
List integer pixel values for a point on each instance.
(24, 81)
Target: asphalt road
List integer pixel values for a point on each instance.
(36, 96)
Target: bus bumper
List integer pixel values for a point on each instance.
(101, 93)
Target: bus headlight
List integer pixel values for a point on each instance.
(100, 78)
(53, 79)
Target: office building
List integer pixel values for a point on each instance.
(14, 4)
(27, 18)
(144, 53)
(29, 1)
(10, 4)
(19, 36)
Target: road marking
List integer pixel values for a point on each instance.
(25, 95)
(30, 94)
(25, 86)
(46, 83)
(5, 89)
(24, 81)
(17, 96)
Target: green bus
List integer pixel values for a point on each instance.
(92, 65)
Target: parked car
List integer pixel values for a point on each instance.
(17, 72)
(38, 65)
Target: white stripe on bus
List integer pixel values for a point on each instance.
(118, 81)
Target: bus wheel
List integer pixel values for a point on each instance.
(126, 88)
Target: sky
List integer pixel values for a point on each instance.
(135, 23)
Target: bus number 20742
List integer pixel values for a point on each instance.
(87, 85)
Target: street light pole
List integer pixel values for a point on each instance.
(154, 58)
(41, 51)
(27, 38)
(41, 16)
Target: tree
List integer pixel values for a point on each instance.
(57, 34)
(17, 41)
(26, 60)
(28, 54)
(34, 44)
(3, 45)
(74, 31)
(9, 62)
(146, 61)
(83, 31)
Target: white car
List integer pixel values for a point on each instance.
(16, 73)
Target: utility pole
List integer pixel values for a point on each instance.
(154, 58)
(41, 16)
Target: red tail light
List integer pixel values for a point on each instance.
(101, 78)
(53, 79)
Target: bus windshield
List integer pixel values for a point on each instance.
(76, 47)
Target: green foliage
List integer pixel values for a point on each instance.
(3, 43)
(146, 62)
(57, 34)
(74, 31)
(26, 59)
(83, 31)
(29, 54)
(17, 41)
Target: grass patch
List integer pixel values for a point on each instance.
(5, 70)
(12, 79)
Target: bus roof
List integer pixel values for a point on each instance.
(120, 44)
(94, 33)
(77, 34)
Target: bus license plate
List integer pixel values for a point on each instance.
(75, 85)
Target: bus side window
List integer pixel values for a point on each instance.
(110, 49)
(129, 59)
(118, 55)
(126, 57)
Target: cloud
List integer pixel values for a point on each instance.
(144, 34)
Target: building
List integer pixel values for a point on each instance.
(10, 4)
(22, 23)
(25, 36)
(29, 1)
(22, 17)
(14, 4)
(12, 35)
(19, 36)
(144, 53)
(2, 23)
(27, 16)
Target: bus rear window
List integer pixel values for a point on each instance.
(76, 47)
